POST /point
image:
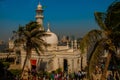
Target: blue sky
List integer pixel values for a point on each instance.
(66, 17)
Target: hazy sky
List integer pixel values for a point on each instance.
(66, 17)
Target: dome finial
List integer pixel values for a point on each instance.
(39, 5)
(48, 27)
(38, 2)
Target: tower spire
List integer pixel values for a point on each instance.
(38, 1)
(48, 27)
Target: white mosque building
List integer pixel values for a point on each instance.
(66, 57)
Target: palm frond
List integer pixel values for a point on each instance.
(96, 56)
(90, 38)
(113, 16)
(98, 53)
(27, 34)
(100, 18)
(34, 32)
(37, 50)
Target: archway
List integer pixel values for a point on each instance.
(65, 65)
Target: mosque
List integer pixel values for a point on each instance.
(67, 57)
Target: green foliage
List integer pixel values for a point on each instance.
(90, 39)
(59, 70)
(46, 73)
(6, 65)
(15, 72)
(96, 55)
(1, 68)
(100, 17)
(112, 20)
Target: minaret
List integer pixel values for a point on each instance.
(39, 15)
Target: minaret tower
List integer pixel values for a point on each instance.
(39, 15)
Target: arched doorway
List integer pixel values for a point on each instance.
(65, 65)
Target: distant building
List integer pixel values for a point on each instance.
(1, 42)
(3, 46)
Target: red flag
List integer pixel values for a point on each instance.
(33, 62)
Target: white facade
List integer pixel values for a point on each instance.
(53, 59)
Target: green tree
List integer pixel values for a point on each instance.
(30, 37)
(107, 38)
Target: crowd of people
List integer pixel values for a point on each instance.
(80, 75)
(112, 74)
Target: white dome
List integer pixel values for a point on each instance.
(51, 39)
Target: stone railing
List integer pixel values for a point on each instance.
(5, 55)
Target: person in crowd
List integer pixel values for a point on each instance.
(110, 76)
(117, 76)
(79, 75)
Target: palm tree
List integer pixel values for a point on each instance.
(30, 37)
(107, 38)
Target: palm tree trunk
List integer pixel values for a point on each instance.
(25, 61)
(81, 63)
(28, 52)
(103, 77)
